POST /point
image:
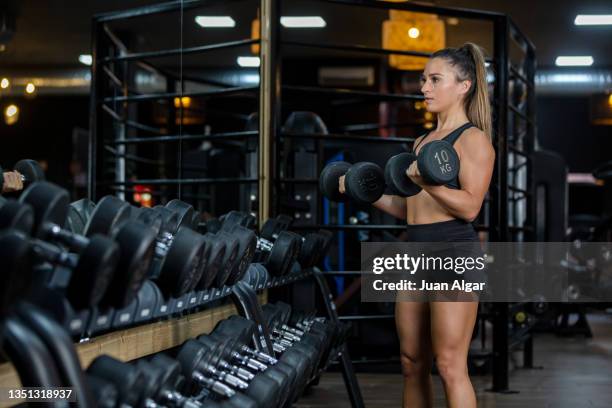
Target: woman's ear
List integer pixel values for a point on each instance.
(465, 86)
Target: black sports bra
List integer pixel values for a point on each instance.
(451, 138)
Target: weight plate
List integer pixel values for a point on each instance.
(78, 214)
(438, 162)
(148, 216)
(231, 255)
(396, 178)
(16, 215)
(181, 265)
(109, 214)
(184, 211)
(247, 243)
(170, 220)
(136, 248)
(49, 202)
(280, 257)
(215, 261)
(364, 182)
(93, 273)
(311, 247)
(328, 180)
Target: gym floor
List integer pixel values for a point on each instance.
(576, 373)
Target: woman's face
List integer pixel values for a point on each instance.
(440, 86)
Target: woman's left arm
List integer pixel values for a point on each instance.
(477, 160)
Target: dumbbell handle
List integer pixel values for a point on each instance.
(149, 403)
(174, 398)
(69, 239)
(215, 386)
(259, 355)
(293, 330)
(162, 243)
(249, 362)
(237, 371)
(285, 335)
(53, 254)
(264, 245)
(227, 378)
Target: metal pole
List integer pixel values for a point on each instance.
(269, 105)
(99, 51)
(499, 220)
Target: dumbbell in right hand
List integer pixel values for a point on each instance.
(363, 182)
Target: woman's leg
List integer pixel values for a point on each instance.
(413, 328)
(452, 324)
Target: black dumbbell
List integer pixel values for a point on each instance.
(103, 392)
(160, 385)
(199, 373)
(281, 374)
(30, 172)
(134, 239)
(437, 162)
(364, 182)
(277, 254)
(178, 254)
(127, 379)
(78, 214)
(299, 357)
(92, 268)
(311, 244)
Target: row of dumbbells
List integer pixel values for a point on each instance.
(221, 369)
(365, 182)
(117, 265)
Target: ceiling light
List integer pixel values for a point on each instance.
(593, 19)
(303, 22)
(574, 61)
(248, 61)
(30, 88)
(85, 59)
(11, 114)
(5, 83)
(215, 21)
(414, 32)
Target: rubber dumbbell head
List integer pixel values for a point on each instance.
(438, 162)
(396, 178)
(364, 182)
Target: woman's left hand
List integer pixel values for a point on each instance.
(413, 173)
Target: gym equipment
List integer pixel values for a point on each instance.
(78, 214)
(30, 172)
(277, 254)
(437, 162)
(364, 182)
(135, 240)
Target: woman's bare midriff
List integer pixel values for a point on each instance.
(423, 209)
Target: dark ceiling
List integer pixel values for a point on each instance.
(52, 33)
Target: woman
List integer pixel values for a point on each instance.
(454, 84)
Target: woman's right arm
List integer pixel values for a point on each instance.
(391, 204)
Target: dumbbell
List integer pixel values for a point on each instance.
(312, 244)
(197, 367)
(277, 254)
(224, 249)
(29, 170)
(299, 357)
(177, 252)
(127, 379)
(257, 276)
(78, 214)
(103, 392)
(364, 182)
(134, 239)
(280, 373)
(437, 162)
(160, 385)
(91, 269)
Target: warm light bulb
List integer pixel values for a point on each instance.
(428, 125)
(11, 114)
(30, 88)
(414, 32)
(5, 83)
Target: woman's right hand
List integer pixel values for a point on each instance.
(341, 185)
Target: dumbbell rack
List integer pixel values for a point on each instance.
(136, 342)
